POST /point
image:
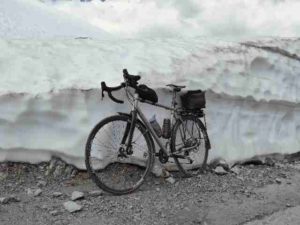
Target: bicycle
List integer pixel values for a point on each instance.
(120, 149)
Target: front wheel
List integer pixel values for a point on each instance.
(189, 145)
(113, 165)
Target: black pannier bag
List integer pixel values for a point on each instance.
(193, 100)
(146, 93)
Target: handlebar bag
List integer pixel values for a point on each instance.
(193, 100)
(146, 93)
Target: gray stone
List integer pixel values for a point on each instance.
(72, 207)
(54, 213)
(77, 195)
(220, 170)
(3, 200)
(37, 192)
(29, 192)
(9, 199)
(57, 194)
(96, 193)
(278, 181)
(44, 207)
(235, 170)
(171, 180)
(219, 162)
(41, 183)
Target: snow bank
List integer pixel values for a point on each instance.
(253, 99)
(49, 96)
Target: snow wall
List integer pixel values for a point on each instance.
(50, 73)
(253, 99)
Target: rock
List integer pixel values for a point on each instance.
(29, 192)
(44, 207)
(288, 205)
(6, 200)
(220, 170)
(95, 193)
(219, 162)
(54, 213)
(171, 180)
(278, 181)
(57, 194)
(37, 192)
(41, 183)
(72, 207)
(77, 195)
(269, 161)
(235, 170)
(3, 200)
(59, 170)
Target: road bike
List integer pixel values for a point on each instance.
(121, 149)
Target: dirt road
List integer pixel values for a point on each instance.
(254, 195)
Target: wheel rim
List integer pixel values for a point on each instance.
(112, 171)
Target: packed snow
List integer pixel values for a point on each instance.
(50, 78)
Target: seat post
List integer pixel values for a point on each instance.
(174, 103)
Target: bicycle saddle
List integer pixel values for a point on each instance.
(176, 88)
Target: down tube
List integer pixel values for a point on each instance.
(148, 125)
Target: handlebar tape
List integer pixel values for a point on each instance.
(109, 90)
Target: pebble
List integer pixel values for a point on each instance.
(171, 180)
(278, 181)
(57, 194)
(220, 170)
(71, 206)
(41, 183)
(235, 170)
(77, 195)
(96, 193)
(54, 212)
(29, 192)
(6, 200)
(37, 192)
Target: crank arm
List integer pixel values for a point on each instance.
(182, 157)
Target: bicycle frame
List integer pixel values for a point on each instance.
(137, 111)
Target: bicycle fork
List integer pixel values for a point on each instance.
(126, 143)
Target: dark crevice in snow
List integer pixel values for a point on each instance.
(276, 50)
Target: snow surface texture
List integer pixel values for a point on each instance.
(49, 92)
(225, 19)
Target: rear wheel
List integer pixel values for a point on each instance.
(113, 166)
(189, 145)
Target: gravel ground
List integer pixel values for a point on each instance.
(29, 196)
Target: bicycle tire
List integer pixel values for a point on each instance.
(128, 165)
(188, 170)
